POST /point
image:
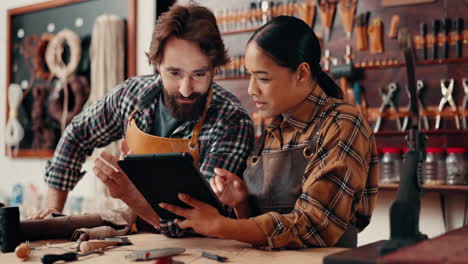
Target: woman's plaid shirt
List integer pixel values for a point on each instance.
(226, 138)
(340, 182)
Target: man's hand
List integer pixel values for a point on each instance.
(120, 186)
(108, 171)
(202, 218)
(55, 202)
(229, 188)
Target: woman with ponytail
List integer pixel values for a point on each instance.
(312, 180)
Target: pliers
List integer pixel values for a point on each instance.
(465, 102)
(387, 101)
(447, 98)
(425, 120)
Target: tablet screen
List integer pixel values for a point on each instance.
(160, 177)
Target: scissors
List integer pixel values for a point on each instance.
(447, 98)
(388, 101)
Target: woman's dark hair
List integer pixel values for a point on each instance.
(290, 42)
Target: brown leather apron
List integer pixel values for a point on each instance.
(274, 180)
(140, 142)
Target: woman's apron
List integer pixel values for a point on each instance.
(274, 180)
(140, 142)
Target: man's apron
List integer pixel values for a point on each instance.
(140, 142)
(274, 180)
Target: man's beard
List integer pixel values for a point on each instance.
(185, 112)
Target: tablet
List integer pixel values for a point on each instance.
(160, 177)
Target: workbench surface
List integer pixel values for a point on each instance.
(237, 252)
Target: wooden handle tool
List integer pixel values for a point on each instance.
(23, 251)
(96, 244)
(394, 23)
(375, 36)
(347, 9)
(326, 10)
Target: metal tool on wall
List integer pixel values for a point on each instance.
(388, 101)
(464, 103)
(326, 9)
(361, 31)
(375, 31)
(447, 98)
(347, 9)
(422, 118)
(459, 27)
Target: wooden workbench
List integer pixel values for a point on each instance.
(237, 252)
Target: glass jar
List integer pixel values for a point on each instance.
(433, 170)
(390, 166)
(456, 166)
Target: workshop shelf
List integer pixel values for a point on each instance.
(427, 187)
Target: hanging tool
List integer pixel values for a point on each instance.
(375, 31)
(435, 30)
(326, 9)
(344, 72)
(69, 256)
(394, 24)
(306, 11)
(423, 28)
(422, 108)
(465, 102)
(425, 120)
(154, 253)
(359, 97)
(347, 9)
(388, 101)
(361, 31)
(447, 98)
(447, 29)
(459, 26)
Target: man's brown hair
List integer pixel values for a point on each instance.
(192, 23)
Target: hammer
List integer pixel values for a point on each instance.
(344, 71)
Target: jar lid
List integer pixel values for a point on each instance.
(434, 150)
(391, 150)
(456, 150)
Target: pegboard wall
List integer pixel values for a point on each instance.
(374, 71)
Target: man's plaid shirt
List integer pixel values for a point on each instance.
(225, 140)
(340, 182)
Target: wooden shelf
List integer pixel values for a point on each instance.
(31, 153)
(241, 31)
(440, 132)
(435, 188)
(418, 63)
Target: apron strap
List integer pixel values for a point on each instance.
(197, 128)
(130, 117)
